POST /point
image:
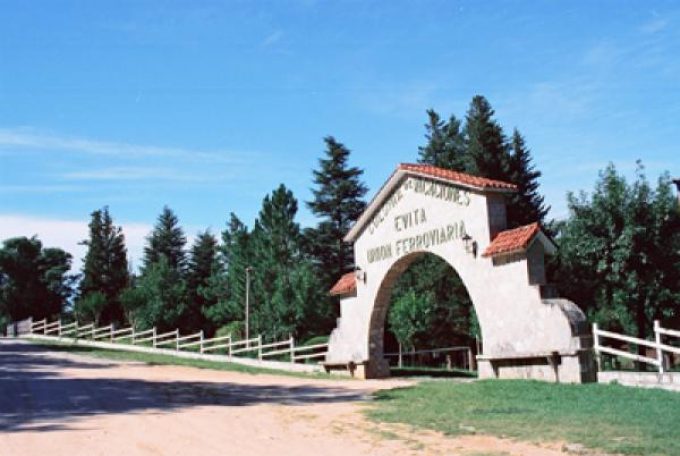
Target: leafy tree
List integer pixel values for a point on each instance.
(527, 205)
(411, 315)
(166, 240)
(203, 264)
(105, 266)
(446, 146)
(620, 252)
(133, 301)
(453, 319)
(487, 148)
(34, 281)
(338, 202)
(89, 308)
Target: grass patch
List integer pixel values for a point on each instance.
(612, 418)
(419, 371)
(155, 359)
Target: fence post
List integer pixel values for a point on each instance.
(292, 350)
(153, 337)
(659, 352)
(229, 344)
(59, 328)
(400, 361)
(133, 334)
(201, 343)
(259, 347)
(177, 339)
(596, 347)
(111, 332)
(94, 326)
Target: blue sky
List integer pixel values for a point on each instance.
(208, 105)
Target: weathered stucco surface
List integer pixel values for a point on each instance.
(519, 328)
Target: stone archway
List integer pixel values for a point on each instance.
(528, 331)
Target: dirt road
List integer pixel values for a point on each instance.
(63, 404)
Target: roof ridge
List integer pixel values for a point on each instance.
(456, 176)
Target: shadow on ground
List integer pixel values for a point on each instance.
(34, 395)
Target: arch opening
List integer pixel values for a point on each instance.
(421, 312)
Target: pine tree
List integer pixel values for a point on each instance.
(161, 296)
(167, 240)
(203, 264)
(285, 291)
(527, 205)
(105, 266)
(446, 147)
(225, 292)
(487, 149)
(338, 202)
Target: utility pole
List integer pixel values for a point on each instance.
(677, 183)
(249, 269)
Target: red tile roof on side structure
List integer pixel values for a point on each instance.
(455, 176)
(514, 240)
(346, 285)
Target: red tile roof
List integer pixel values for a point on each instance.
(455, 176)
(347, 284)
(514, 240)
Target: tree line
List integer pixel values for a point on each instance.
(618, 256)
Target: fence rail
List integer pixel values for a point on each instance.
(656, 344)
(130, 336)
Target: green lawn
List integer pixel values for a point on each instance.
(612, 418)
(171, 360)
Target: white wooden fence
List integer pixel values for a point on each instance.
(190, 342)
(468, 359)
(657, 344)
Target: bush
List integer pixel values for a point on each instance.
(316, 340)
(235, 329)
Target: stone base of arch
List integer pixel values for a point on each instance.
(573, 367)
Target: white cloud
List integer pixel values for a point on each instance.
(272, 38)
(130, 173)
(39, 188)
(67, 234)
(30, 138)
(654, 26)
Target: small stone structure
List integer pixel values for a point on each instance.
(527, 331)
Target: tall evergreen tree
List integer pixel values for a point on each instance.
(225, 293)
(167, 240)
(446, 146)
(105, 266)
(203, 264)
(338, 202)
(527, 205)
(286, 292)
(161, 296)
(487, 148)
